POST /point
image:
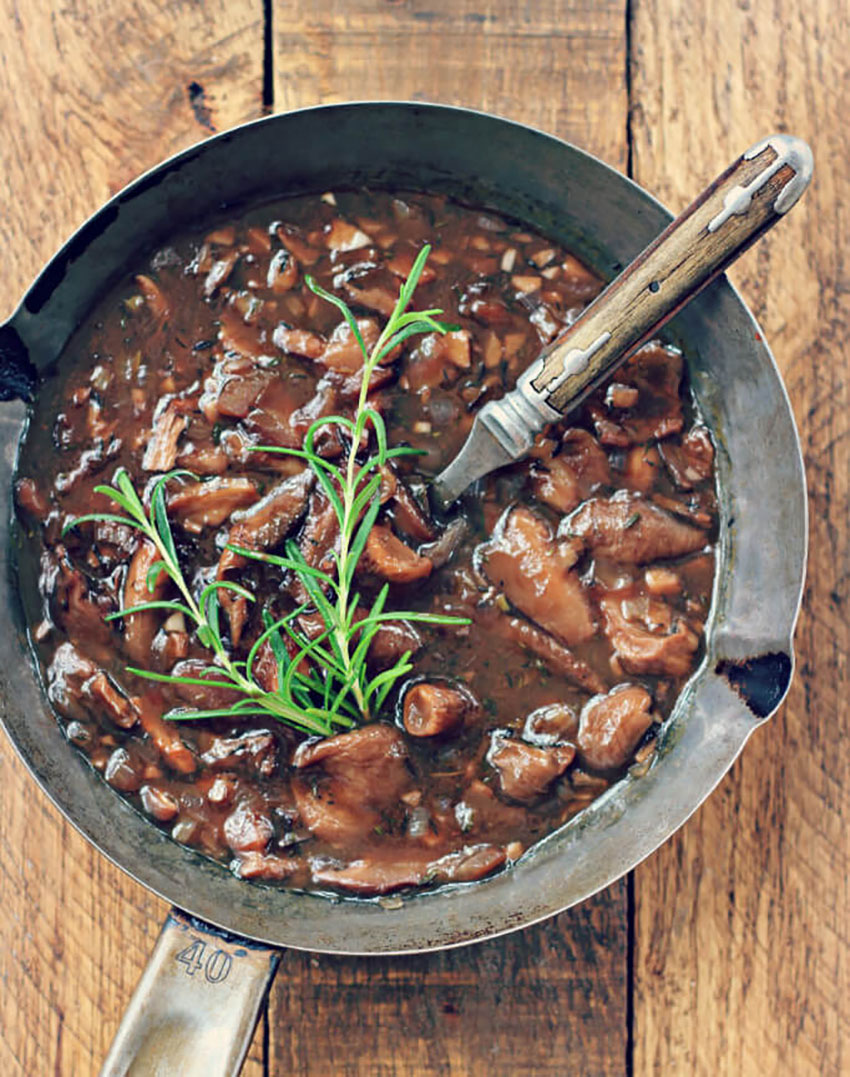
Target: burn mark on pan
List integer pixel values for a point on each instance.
(761, 682)
(18, 377)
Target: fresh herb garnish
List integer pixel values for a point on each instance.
(292, 706)
(325, 684)
(354, 494)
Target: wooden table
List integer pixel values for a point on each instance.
(727, 951)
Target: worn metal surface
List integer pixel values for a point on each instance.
(607, 220)
(194, 1010)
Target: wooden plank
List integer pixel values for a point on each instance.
(551, 998)
(539, 1002)
(89, 97)
(741, 964)
(558, 66)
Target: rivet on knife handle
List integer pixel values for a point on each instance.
(520, 415)
(788, 152)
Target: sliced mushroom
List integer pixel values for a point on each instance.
(385, 555)
(432, 709)
(319, 538)
(408, 515)
(219, 272)
(632, 530)
(161, 451)
(298, 342)
(283, 272)
(345, 782)
(106, 697)
(248, 827)
(534, 570)
(342, 352)
(153, 296)
(256, 865)
(691, 460)
(526, 772)
(159, 803)
(164, 735)
(198, 505)
(555, 656)
(256, 750)
(381, 873)
(656, 372)
(550, 724)
(31, 500)
(260, 527)
(140, 628)
(642, 650)
(612, 725)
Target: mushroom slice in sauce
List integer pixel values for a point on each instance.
(535, 571)
(386, 556)
(564, 479)
(217, 349)
(161, 451)
(554, 655)
(343, 783)
(140, 628)
(643, 650)
(431, 709)
(208, 504)
(525, 771)
(632, 530)
(612, 725)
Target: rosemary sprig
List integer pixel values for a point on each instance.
(325, 684)
(354, 494)
(203, 612)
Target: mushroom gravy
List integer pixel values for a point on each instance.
(586, 570)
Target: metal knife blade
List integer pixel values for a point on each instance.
(503, 432)
(481, 454)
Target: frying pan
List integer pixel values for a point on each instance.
(195, 1007)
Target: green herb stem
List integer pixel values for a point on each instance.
(340, 691)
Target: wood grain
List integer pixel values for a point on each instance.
(554, 996)
(539, 1002)
(741, 956)
(97, 91)
(741, 963)
(91, 94)
(555, 65)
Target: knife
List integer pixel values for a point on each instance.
(738, 207)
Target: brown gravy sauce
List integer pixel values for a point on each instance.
(586, 570)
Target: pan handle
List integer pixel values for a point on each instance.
(196, 1006)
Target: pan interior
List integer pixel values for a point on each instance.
(606, 219)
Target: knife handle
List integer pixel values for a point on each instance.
(730, 214)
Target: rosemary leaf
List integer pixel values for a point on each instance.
(325, 684)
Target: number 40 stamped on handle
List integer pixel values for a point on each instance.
(216, 964)
(195, 1008)
(207, 954)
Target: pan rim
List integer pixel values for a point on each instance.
(742, 723)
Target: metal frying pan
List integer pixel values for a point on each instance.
(195, 1007)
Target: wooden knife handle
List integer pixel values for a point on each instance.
(741, 204)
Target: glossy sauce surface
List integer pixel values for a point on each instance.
(586, 570)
